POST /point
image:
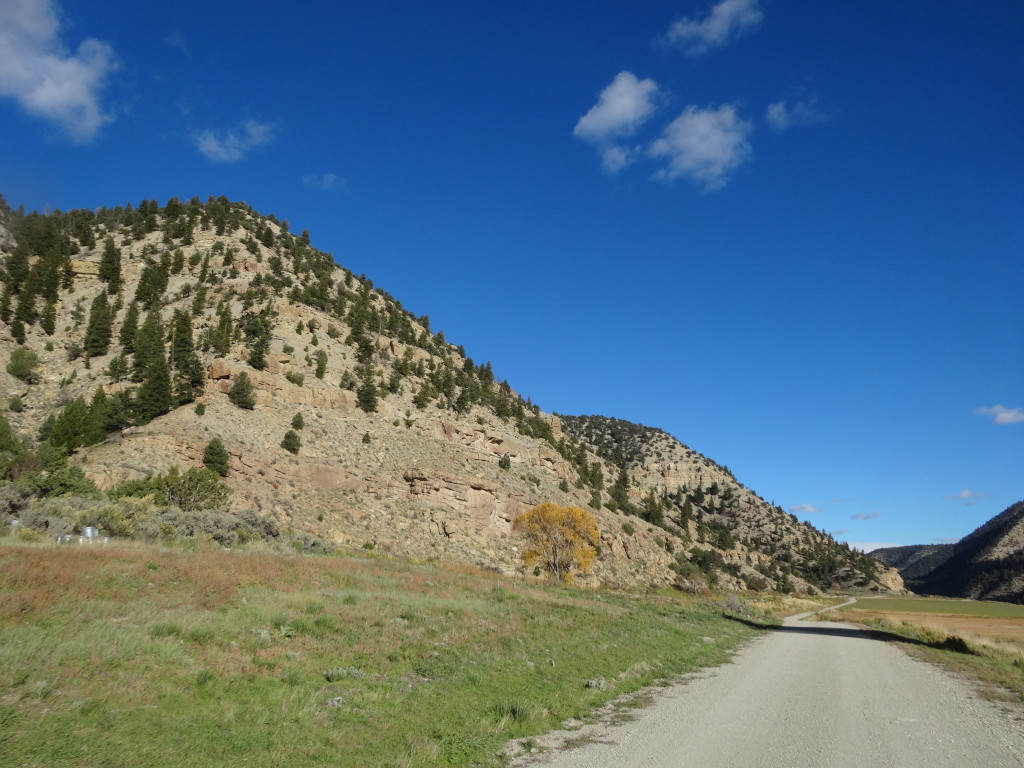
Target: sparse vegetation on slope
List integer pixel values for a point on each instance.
(732, 534)
(134, 337)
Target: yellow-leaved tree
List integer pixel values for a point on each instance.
(561, 538)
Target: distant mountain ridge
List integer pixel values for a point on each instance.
(988, 564)
(915, 560)
(127, 335)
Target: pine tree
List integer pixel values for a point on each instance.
(98, 421)
(216, 457)
(221, 336)
(242, 392)
(129, 328)
(154, 396)
(258, 352)
(5, 303)
(366, 395)
(48, 320)
(99, 329)
(149, 344)
(182, 345)
(110, 266)
(298, 422)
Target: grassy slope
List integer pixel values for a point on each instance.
(142, 656)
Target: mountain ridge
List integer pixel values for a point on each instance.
(987, 564)
(405, 445)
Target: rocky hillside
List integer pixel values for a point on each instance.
(139, 343)
(988, 564)
(670, 484)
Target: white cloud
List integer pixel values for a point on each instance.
(724, 22)
(235, 144)
(783, 115)
(804, 509)
(704, 145)
(1001, 414)
(621, 109)
(44, 77)
(867, 515)
(326, 181)
(968, 497)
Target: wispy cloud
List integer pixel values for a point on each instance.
(783, 115)
(705, 145)
(723, 23)
(327, 182)
(871, 546)
(867, 515)
(622, 107)
(44, 77)
(804, 509)
(236, 143)
(968, 497)
(177, 40)
(1001, 414)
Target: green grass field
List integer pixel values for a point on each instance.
(940, 605)
(166, 657)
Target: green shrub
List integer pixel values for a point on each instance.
(23, 365)
(14, 404)
(291, 441)
(196, 489)
(295, 378)
(298, 422)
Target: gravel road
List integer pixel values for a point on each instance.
(814, 694)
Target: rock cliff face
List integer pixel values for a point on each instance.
(406, 446)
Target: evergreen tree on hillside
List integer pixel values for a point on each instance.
(5, 302)
(220, 337)
(185, 361)
(110, 266)
(129, 328)
(242, 392)
(48, 320)
(149, 345)
(216, 458)
(100, 327)
(154, 397)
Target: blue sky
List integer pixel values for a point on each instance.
(788, 233)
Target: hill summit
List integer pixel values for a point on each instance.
(140, 344)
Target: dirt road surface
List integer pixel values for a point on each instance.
(810, 694)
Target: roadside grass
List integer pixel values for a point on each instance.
(165, 657)
(981, 639)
